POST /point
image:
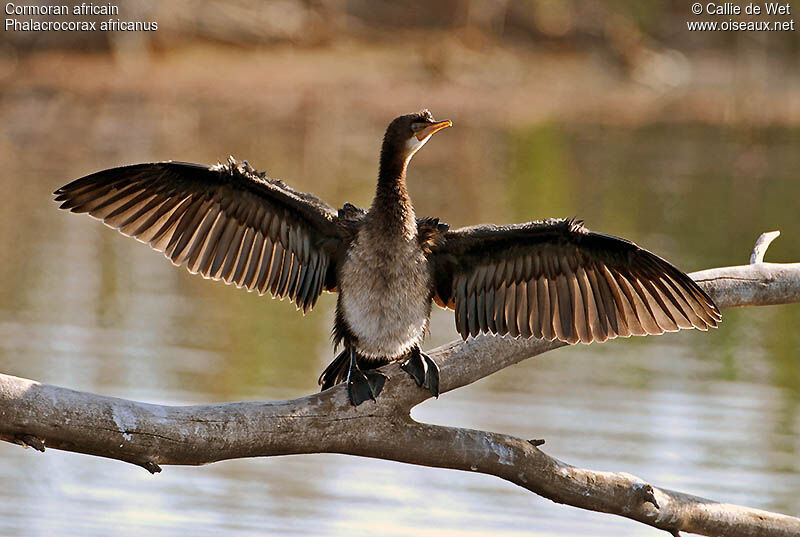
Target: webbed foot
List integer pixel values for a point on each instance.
(363, 385)
(423, 370)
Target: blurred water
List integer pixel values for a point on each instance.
(712, 414)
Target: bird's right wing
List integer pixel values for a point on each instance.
(226, 222)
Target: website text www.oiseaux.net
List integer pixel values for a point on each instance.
(740, 26)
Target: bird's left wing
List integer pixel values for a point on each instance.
(226, 222)
(557, 280)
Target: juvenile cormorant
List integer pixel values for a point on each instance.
(551, 279)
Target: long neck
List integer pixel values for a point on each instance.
(391, 212)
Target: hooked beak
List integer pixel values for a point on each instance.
(426, 131)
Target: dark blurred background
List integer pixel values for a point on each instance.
(685, 142)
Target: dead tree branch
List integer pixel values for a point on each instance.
(39, 415)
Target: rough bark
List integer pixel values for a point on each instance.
(39, 415)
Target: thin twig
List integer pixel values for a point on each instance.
(762, 243)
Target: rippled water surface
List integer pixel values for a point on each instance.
(715, 414)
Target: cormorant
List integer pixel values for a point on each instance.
(551, 279)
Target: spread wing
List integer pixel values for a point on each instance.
(557, 280)
(225, 222)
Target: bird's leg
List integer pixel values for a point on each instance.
(362, 385)
(423, 370)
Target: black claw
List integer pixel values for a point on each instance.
(423, 370)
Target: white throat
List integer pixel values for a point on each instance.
(413, 145)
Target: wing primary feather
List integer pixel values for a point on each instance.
(463, 320)
(283, 285)
(308, 282)
(490, 321)
(686, 288)
(234, 253)
(201, 241)
(676, 308)
(74, 199)
(566, 300)
(543, 310)
(223, 246)
(111, 205)
(250, 280)
(471, 312)
(659, 307)
(134, 213)
(320, 283)
(500, 309)
(546, 313)
(244, 257)
(275, 270)
(523, 315)
(212, 244)
(703, 320)
(511, 310)
(291, 284)
(633, 314)
(656, 278)
(271, 263)
(102, 207)
(594, 316)
(621, 306)
(644, 310)
(184, 228)
(534, 317)
(305, 280)
(299, 282)
(158, 222)
(480, 295)
(562, 315)
(152, 208)
(316, 284)
(184, 247)
(116, 217)
(604, 300)
(580, 304)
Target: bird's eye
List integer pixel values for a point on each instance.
(419, 125)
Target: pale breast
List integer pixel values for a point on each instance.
(385, 297)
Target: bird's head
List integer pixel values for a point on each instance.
(406, 134)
